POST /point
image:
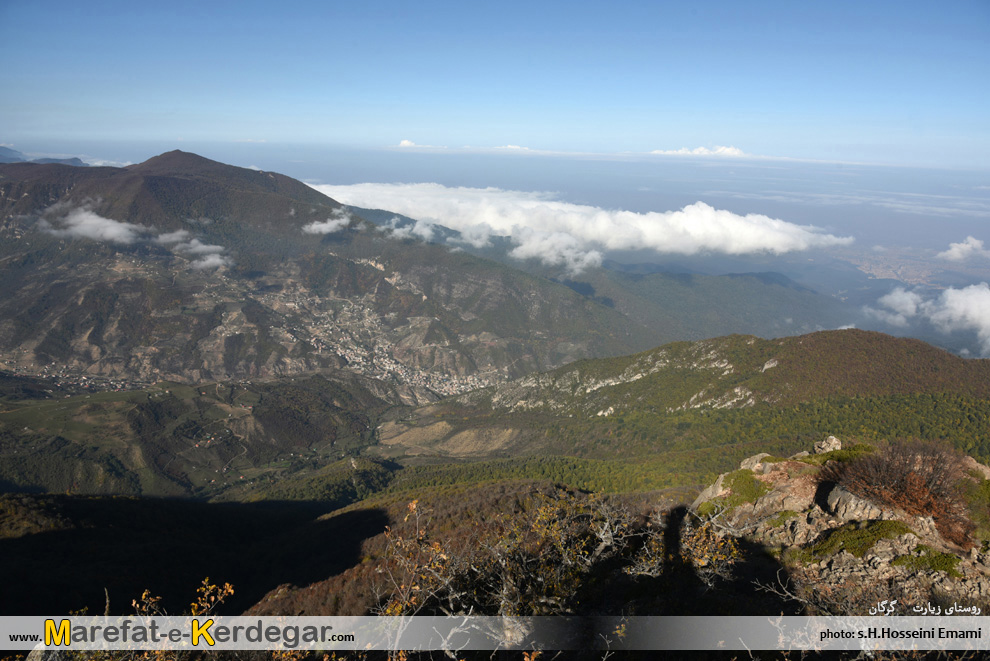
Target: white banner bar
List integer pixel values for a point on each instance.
(495, 633)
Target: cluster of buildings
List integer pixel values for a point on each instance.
(68, 378)
(356, 333)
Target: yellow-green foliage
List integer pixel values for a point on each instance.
(855, 540)
(744, 486)
(925, 558)
(711, 552)
(977, 495)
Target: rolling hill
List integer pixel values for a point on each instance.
(687, 410)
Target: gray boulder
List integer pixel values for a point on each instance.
(827, 445)
(752, 462)
(850, 507)
(713, 491)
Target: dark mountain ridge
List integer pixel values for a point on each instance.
(161, 192)
(187, 269)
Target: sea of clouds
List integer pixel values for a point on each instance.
(576, 236)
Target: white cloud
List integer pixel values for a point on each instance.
(513, 148)
(409, 144)
(211, 262)
(700, 151)
(966, 309)
(534, 218)
(902, 302)
(476, 236)
(901, 306)
(884, 316)
(102, 162)
(189, 246)
(421, 229)
(172, 237)
(338, 220)
(82, 222)
(960, 252)
(197, 247)
(555, 249)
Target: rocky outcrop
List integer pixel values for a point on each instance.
(850, 507)
(834, 542)
(828, 445)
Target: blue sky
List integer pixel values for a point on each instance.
(902, 83)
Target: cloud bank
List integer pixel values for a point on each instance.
(969, 248)
(701, 151)
(966, 309)
(575, 235)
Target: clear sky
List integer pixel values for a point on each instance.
(901, 82)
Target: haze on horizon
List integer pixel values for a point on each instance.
(642, 130)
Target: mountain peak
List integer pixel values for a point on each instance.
(178, 161)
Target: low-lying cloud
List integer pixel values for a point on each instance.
(953, 310)
(575, 235)
(82, 222)
(213, 261)
(338, 220)
(420, 229)
(968, 249)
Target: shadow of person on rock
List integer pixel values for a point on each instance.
(697, 592)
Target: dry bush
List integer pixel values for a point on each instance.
(921, 478)
(528, 563)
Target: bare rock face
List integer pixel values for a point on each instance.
(752, 462)
(847, 506)
(793, 489)
(828, 445)
(710, 493)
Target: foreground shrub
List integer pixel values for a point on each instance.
(564, 553)
(849, 453)
(920, 478)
